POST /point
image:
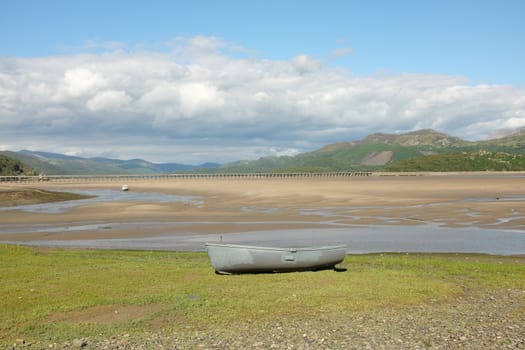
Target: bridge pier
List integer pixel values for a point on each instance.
(178, 176)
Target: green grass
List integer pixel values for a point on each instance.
(45, 293)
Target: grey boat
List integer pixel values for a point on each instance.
(233, 258)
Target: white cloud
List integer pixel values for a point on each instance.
(109, 100)
(217, 106)
(197, 97)
(290, 152)
(80, 81)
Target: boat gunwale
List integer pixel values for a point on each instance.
(281, 249)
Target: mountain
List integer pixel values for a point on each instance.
(427, 150)
(420, 138)
(60, 164)
(11, 166)
(462, 161)
(377, 152)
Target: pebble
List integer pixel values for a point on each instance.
(475, 322)
(79, 343)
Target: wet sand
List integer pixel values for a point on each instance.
(224, 206)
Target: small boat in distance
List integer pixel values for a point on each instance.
(125, 188)
(232, 258)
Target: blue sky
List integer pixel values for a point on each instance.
(482, 40)
(458, 66)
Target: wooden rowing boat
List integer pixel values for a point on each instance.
(233, 258)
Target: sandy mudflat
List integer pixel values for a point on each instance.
(239, 205)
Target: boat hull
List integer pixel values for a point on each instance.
(232, 258)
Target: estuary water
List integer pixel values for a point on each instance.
(358, 239)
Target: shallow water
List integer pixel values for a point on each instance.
(64, 228)
(359, 239)
(101, 196)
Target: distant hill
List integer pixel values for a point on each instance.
(10, 166)
(377, 152)
(462, 161)
(60, 164)
(423, 150)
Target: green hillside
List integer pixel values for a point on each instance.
(462, 161)
(61, 164)
(378, 152)
(40, 165)
(10, 166)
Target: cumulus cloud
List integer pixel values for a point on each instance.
(200, 102)
(108, 100)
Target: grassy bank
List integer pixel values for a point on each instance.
(57, 295)
(22, 196)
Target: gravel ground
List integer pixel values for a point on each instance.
(476, 321)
